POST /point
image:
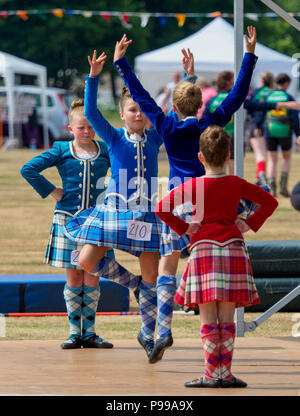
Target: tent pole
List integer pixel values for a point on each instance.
(9, 83)
(239, 123)
(43, 85)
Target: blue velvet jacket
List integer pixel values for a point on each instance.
(134, 160)
(181, 137)
(82, 180)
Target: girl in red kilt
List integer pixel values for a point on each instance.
(218, 276)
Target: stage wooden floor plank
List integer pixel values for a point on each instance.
(270, 366)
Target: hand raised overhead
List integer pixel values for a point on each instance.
(96, 64)
(121, 48)
(250, 43)
(188, 62)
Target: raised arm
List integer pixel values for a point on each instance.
(154, 113)
(222, 115)
(188, 62)
(101, 126)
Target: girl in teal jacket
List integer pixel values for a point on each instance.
(82, 165)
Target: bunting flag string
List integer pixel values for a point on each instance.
(126, 16)
(22, 14)
(180, 19)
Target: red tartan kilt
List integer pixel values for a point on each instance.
(218, 274)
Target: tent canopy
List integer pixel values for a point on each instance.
(11, 65)
(18, 65)
(213, 49)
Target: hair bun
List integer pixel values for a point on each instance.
(77, 103)
(124, 91)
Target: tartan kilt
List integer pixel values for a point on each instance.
(59, 248)
(246, 208)
(107, 226)
(214, 273)
(172, 242)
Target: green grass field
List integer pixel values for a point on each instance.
(25, 225)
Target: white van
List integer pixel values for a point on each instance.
(28, 98)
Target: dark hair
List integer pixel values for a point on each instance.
(282, 79)
(223, 80)
(215, 145)
(125, 94)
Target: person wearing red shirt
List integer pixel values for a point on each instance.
(218, 276)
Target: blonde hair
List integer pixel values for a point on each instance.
(215, 145)
(125, 94)
(268, 79)
(77, 107)
(187, 97)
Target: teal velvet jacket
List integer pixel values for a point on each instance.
(82, 179)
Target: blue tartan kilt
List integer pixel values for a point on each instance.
(107, 226)
(246, 208)
(59, 248)
(171, 242)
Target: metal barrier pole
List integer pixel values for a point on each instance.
(251, 326)
(239, 123)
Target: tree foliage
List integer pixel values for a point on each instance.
(64, 43)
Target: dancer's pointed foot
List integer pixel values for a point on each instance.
(159, 348)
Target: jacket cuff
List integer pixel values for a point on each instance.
(251, 57)
(192, 78)
(121, 66)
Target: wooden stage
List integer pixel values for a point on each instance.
(270, 366)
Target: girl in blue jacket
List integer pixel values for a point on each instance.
(82, 165)
(126, 220)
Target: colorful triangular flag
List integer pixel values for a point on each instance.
(144, 19)
(215, 14)
(22, 14)
(180, 19)
(105, 16)
(58, 13)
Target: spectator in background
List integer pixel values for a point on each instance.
(257, 140)
(208, 91)
(225, 82)
(279, 126)
(166, 103)
(160, 98)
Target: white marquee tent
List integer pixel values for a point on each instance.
(213, 49)
(11, 65)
